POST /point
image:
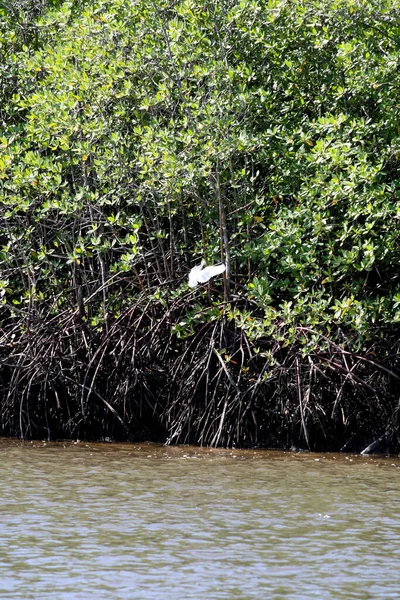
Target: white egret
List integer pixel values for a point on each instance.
(202, 274)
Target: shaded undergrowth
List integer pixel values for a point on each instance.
(138, 381)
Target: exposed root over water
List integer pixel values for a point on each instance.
(137, 381)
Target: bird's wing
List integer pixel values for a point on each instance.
(210, 271)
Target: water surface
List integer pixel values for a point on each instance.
(121, 522)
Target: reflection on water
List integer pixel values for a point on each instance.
(123, 522)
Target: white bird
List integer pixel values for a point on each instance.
(201, 274)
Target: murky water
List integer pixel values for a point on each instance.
(122, 522)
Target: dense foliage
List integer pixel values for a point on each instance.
(141, 137)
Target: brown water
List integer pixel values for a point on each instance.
(121, 522)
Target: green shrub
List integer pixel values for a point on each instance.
(138, 138)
